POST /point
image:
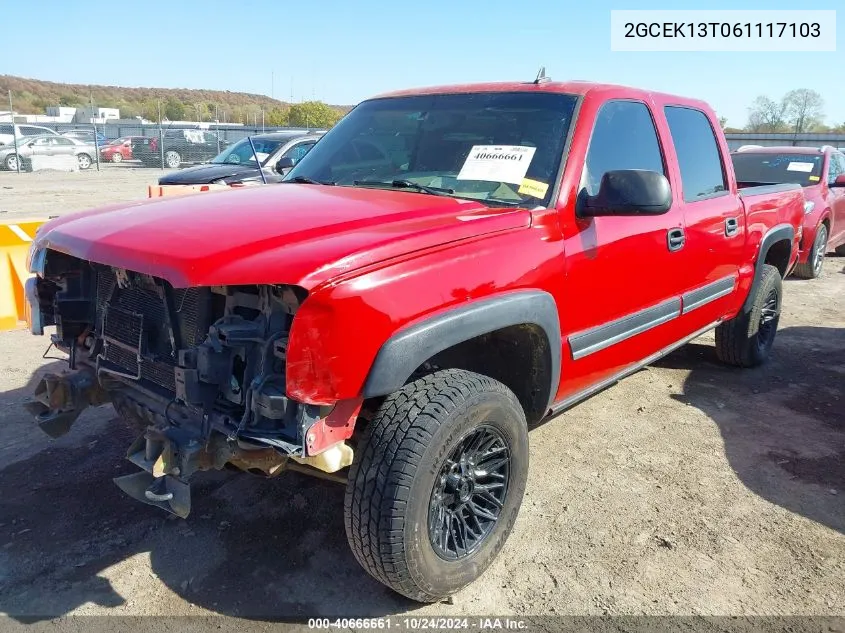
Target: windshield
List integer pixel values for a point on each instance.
(774, 169)
(497, 147)
(241, 153)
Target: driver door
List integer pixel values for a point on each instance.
(624, 273)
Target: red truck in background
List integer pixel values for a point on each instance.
(821, 174)
(445, 267)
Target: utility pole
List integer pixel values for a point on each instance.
(94, 125)
(14, 133)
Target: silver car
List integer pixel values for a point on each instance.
(45, 145)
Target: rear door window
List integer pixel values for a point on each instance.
(699, 158)
(624, 137)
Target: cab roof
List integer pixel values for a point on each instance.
(574, 87)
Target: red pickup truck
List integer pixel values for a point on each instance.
(443, 269)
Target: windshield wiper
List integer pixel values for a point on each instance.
(405, 184)
(308, 181)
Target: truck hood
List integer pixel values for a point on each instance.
(290, 233)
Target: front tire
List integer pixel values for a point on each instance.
(116, 157)
(12, 162)
(815, 260)
(84, 161)
(439, 483)
(747, 339)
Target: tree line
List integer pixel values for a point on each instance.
(33, 96)
(797, 112)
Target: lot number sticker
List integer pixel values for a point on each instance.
(807, 167)
(497, 163)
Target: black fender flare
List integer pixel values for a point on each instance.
(775, 234)
(409, 348)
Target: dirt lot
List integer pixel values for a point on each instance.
(46, 193)
(689, 488)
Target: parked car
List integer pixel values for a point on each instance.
(821, 173)
(88, 136)
(118, 150)
(238, 164)
(45, 145)
(445, 268)
(180, 147)
(7, 132)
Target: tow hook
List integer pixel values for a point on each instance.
(163, 457)
(60, 398)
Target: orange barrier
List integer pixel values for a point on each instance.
(159, 191)
(15, 239)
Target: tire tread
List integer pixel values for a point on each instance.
(380, 481)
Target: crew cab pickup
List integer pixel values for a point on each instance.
(445, 268)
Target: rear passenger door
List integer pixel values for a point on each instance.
(624, 274)
(713, 216)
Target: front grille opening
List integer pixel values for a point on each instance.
(170, 319)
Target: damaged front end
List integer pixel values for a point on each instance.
(202, 370)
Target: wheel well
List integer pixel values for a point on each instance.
(778, 255)
(518, 356)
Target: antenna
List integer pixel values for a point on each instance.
(541, 76)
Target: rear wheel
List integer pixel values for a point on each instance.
(438, 485)
(12, 162)
(84, 161)
(747, 339)
(172, 159)
(813, 268)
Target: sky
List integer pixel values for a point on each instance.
(344, 52)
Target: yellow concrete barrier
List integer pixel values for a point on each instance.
(15, 239)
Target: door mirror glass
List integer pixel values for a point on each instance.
(628, 192)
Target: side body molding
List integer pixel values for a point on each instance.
(406, 350)
(775, 234)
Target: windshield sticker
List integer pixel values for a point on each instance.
(813, 178)
(497, 163)
(261, 156)
(807, 167)
(533, 188)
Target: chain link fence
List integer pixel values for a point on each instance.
(93, 137)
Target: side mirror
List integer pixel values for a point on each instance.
(839, 182)
(284, 163)
(628, 192)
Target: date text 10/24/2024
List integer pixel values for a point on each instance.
(420, 623)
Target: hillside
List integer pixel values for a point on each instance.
(31, 96)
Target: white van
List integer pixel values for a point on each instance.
(7, 136)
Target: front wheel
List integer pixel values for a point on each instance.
(439, 483)
(747, 339)
(12, 162)
(116, 157)
(815, 260)
(84, 161)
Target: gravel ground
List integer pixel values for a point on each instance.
(47, 193)
(689, 488)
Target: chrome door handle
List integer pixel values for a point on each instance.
(731, 227)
